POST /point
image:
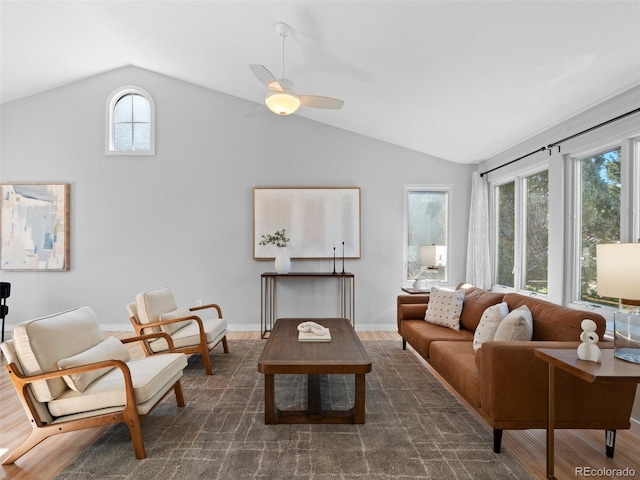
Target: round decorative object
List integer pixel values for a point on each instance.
(283, 262)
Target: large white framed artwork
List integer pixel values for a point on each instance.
(34, 220)
(316, 220)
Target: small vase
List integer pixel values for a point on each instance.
(283, 262)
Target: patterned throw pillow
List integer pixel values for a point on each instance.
(488, 325)
(444, 308)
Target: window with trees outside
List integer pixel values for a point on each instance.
(521, 212)
(599, 217)
(130, 128)
(427, 233)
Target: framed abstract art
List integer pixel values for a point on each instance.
(34, 221)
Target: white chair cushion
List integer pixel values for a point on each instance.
(215, 329)
(177, 313)
(153, 303)
(40, 343)
(109, 349)
(150, 375)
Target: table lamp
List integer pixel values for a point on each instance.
(618, 276)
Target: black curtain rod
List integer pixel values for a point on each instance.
(557, 143)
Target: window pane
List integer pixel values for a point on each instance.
(122, 110)
(142, 136)
(427, 227)
(600, 216)
(123, 137)
(537, 233)
(506, 234)
(141, 109)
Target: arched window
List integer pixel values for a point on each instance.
(130, 122)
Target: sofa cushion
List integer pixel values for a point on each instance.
(553, 322)
(149, 375)
(177, 313)
(420, 334)
(40, 343)
(489, 322)
(516, 326)
(476, 301)
(109, 349)
(153, 303)
(455, 362)
(444, 308)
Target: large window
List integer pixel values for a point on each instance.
(599, 214)
(427, 232)
(521, 213)
(130, 122)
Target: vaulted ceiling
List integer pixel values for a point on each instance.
(461, 80)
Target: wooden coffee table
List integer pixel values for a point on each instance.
(344, 354)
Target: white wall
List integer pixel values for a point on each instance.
(183, 218)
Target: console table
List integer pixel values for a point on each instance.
(610, 370)
(268, 294)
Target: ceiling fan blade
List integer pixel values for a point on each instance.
(320, 102)
(266, 77)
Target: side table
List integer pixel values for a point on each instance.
(416, 291)
(610, 370)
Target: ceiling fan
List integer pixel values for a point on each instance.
(281, 98)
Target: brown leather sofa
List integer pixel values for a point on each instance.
(504, 381)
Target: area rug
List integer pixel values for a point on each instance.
(415, 429)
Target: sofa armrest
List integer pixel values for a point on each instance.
(514, 390)
(411, 307)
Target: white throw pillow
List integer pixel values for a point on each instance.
(489, 322)
(517, 326)
(444, 308)
(109, 349)
(177, 313)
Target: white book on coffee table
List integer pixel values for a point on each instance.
(313, 337)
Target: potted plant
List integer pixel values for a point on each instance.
(280, 240)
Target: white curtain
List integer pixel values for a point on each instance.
(478, 258)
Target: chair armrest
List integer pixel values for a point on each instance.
(209, 305)
(21, 382)
(203, 339)
(147, 336)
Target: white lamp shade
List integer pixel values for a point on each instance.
(282, 103)
(433, 255)
(619, 270)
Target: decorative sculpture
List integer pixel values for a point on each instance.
(588, 350)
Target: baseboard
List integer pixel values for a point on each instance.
(635, 427)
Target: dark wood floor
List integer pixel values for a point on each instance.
(574, 448)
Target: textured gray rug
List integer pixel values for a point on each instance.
(415, 429)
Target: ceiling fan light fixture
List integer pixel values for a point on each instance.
(282, 103)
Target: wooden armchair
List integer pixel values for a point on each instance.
(156, 310)
(69, 377)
